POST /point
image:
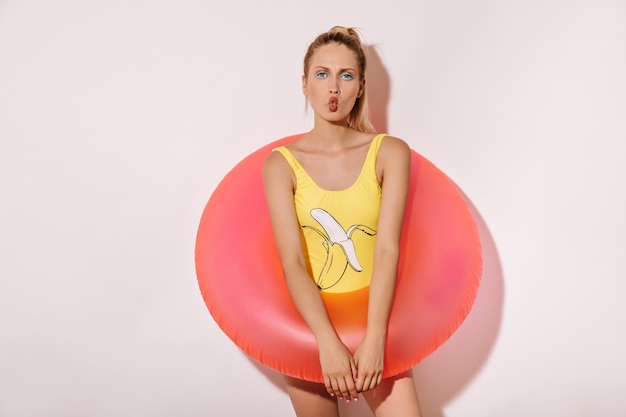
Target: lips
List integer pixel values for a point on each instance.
(332, 104)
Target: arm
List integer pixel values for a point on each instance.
(393, 166)
(337, 363)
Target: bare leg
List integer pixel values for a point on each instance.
(310, 399)
(394, 397)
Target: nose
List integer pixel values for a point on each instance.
(334, 89)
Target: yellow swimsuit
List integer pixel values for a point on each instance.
(339, 227)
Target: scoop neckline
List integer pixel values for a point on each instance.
(356, 181)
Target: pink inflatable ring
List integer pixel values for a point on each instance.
(241, 280)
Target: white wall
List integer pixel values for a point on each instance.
(118, 119)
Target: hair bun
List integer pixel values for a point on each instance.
(347, 31)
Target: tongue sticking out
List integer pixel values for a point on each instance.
(332, 104)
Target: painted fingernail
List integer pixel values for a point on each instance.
(347, 400)
(356, 399)
(332, 394)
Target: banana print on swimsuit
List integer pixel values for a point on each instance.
(340, 250)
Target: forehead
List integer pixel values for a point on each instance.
(334, 55)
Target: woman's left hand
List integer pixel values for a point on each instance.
(369, 359)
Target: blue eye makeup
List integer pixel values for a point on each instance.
(345, 76)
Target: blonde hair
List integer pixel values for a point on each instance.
(359, 118)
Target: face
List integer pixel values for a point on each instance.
(333, 82)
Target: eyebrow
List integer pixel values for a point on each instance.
(340, 70)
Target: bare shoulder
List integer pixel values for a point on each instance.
(276, 170)
(275, 161)
(393, 148)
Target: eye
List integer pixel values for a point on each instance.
(321, 74)
(347, 76)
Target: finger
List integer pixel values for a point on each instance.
(376, 380)
(336, 388)
(360, 380)
(355, 376)
(364, 383)
(358, 384)
(328, 386)
(353, 394)
(343, 389)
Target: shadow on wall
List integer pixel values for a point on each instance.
(378, 86)
(445, 373)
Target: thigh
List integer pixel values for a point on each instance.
(310, 399)
(394, 397)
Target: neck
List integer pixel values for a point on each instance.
(331, 133)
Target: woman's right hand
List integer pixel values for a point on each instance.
(339, 370)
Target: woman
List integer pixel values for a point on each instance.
(338, 182)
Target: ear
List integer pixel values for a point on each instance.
(305, 90)
(361, 88)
